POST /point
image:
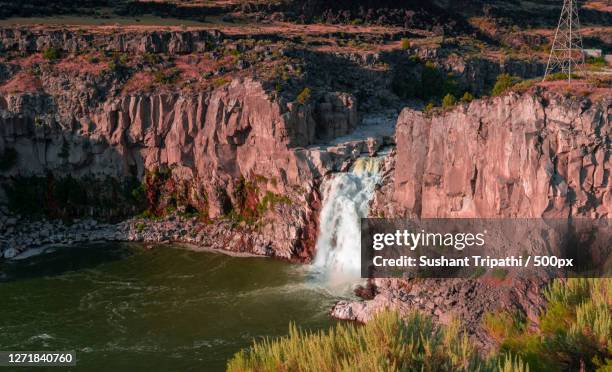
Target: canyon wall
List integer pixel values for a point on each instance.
(173, 42)
(536, 154)
(225, 149)
(519, 155)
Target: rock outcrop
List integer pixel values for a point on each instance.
(28, 40)
(538, 154)
(214, 144)
(520, 155)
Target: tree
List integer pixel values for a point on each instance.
(467, 97)
(449, 100)
(503, 83)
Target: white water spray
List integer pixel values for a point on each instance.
(346, 199)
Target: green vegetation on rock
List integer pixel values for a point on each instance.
(467, 97)
(51, 54)
(405, 44)
(503, 83)
(574, 333)
(575, 328)
(304, 96)
(449, 101)
(169, 76)
(387, 343)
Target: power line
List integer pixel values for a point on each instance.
(567, 54)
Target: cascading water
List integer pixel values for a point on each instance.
(346, 199)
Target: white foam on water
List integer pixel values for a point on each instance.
(346, 199)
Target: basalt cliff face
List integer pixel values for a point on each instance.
(530, 156)
(538, 154)
(224, 151)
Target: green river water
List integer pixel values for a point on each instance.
(124, 308)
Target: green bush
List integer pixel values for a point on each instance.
(559, 76)
(597, 61)
(435, 83)
(114, 66)
(304, 96)
(271, 199)
(221, 81)
(51, 54)
(575, 328)
(429, 107)
(93, 59)
(386, 343)
(503, 83)
(167, 77)
(467, 97)
(405, 44)
(449, 101)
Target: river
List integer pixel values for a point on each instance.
(126, 308)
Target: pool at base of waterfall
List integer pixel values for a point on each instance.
(122, 307)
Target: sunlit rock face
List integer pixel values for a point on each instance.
(530, 155)
(210, 142)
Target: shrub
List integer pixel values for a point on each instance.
(449, 101)
(503, 83)
(503, 324)
(51, 54)
(559, 76)
(435, 83)
(575, 328)
(8, 159)
(499, 273)
(167, 77)
(304, 96)
(271, 199)
(219, 82)
(405, 44)
(114, 66)
(429, 107)
(467, 97)
(597, 61)
(151, 58)
(386, 343)
(431, 81)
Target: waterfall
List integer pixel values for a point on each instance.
(346, 199)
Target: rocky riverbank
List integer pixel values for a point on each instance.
(22, 235)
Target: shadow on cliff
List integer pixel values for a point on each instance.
(406, 79)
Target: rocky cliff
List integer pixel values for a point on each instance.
(527, 155)
(533, 154)
(233, 150)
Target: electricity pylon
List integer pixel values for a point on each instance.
(567, 53)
